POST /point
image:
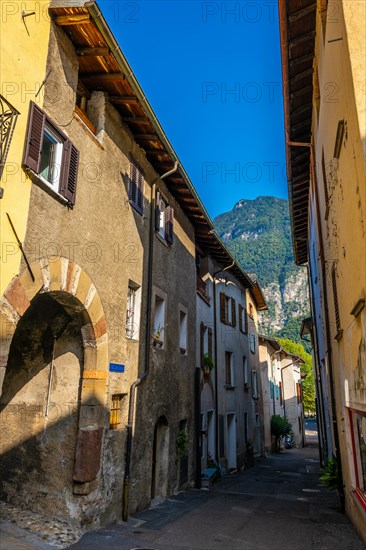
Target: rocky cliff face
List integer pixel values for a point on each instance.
(258, 233)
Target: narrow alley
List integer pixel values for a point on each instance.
(277, 504)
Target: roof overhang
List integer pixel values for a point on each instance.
(258, 295)
(103, 67)
(297, 35)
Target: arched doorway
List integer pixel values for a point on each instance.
(54, 353)
(160, 462)
(40, 406)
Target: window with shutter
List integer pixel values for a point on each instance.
(164, 217)
(233, 312)
(222, 307)
(335, 299)
(136, 191)
(50, 155)
(210, 351)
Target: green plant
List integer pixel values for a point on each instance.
(279, 428)
(181, 444)
(330, 476)
(208, 362)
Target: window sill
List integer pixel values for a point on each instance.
(40, 182)
(132, 340)
(229, 387)
(339, 335)
(246, 387)
(183, 351)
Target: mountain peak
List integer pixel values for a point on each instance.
(261, 199)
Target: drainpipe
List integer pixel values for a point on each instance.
(216, 369)
(131, 405)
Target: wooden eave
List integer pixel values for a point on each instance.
(297, 26)
(102, 71)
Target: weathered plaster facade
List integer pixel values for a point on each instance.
(330, 231)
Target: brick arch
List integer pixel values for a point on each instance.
(69, 285)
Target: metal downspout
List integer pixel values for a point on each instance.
(131, 405)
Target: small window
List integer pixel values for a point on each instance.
(133, 311)
(115, 411)
(136, 190)
(227, 310)
(183, 332)
(229, 368)
(50, 155)
(255, 394)
(245, 372)
(358, 427)
(252, 342)
(243, 319)
(159, 322)
(164, 216)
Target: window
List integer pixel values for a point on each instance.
(133, 311)
(255, 394)
(336, 306)
(183, 331)
(115, 411)
(358, 431)
(50, 155)
(159, 322)
(164, 215)
(136, 190)
(245, 372)
(227, 310)
(229, 369)
(243, 319)
(206, 343)
(252, 342)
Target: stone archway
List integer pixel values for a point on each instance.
(59, 299)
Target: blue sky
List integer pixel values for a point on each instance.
(211, 71)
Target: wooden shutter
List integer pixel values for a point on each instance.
(240, 312)
(69, 171)
(280, 392)
(34, 138)
(222, 307)
(133, 184)
(335, 298)
(157, 210)
(245, 321)
(169, 216)
(233, 312)
(140, 192)
(210, 350)
(202, 343)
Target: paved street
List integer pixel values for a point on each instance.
(278, 504)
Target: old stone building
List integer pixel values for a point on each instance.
(323, 61)
(231, 412)
(98, 311)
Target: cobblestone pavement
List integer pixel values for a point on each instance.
(31, 530)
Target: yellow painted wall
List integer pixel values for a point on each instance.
(24, 47)
(341, 67)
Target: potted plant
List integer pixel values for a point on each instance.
(157, 343)
(181, 444)
(208, 364)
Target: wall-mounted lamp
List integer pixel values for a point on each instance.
(358, 307)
